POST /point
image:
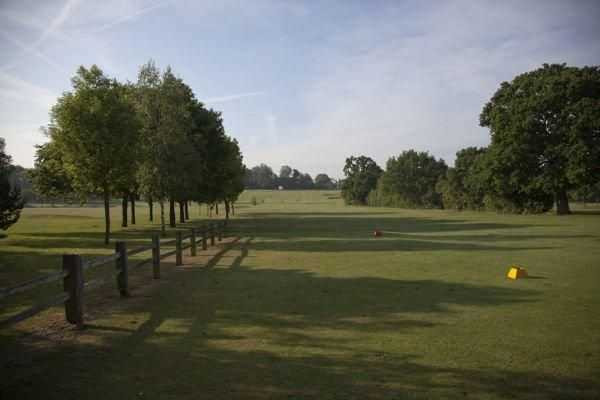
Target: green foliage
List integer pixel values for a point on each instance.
(361, 174)
(49, 176)
(285, 171)
(324, 182)
(586, 193)
(410, 181)
(95, 128)
(545, 127)
(11, 202)
(464, 186)
(261, 177)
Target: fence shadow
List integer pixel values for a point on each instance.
(231, 331)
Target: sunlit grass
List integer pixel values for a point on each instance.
(309, 304)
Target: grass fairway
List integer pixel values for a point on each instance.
(308, 304)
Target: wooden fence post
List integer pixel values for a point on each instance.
(220, 231)
(73, 285)
(123, 268)
(193, 240)
(156, 256)
(178, 255)
(204, 239)
(212, 234)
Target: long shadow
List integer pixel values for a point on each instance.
(374, 244)
(484, 237)
(223, 333)
(283, 214)
(268, 227)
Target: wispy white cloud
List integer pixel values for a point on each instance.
(30, 21)
(15, 88)
(380, 91)
(128, 17)
(50, 29)
(231, 97)
(31, 50)
(58, 21)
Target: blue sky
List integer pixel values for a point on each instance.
(303, 83)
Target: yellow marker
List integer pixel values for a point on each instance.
(516, 272)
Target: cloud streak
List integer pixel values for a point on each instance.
(30, 50)
(55, 25)
(232, 97)
(129, 17)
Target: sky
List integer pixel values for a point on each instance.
(299, 83)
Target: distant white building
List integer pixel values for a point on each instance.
(280, 188)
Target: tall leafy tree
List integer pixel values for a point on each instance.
(361, 174)
(323, 181)
(49, 176)
(96, 127)
(149, 105)
(464, 187)
(11, 202)
(410, 180)
(170, 142)
(261, 177)
(285, 171)
(545, 128)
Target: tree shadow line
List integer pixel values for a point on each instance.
(233, 325)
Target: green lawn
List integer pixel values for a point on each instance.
(308, 304)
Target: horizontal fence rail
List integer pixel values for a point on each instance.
(73, 267)
(21, 287)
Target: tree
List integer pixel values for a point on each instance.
(172, 149)
(463, 186)
(410, 181)
(49, 176)
(285, 171)
(361, 174)
(323, 181)
(95, 127)
(261, 177)
(152, 183)
(545, 127)
(233, 168)
(11, 202)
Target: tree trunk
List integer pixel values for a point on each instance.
(106, 216)
(187, 210)
(163, 230)
(151, 209)
(217, 208)
(232, 208)
(562, 203)
(226, 209)
(124, 211)
(181, 212)
(132, 199)
(172, 221)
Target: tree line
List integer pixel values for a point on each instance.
(263, 177)
(544, 151)
(150, 140)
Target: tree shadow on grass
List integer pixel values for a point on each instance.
(354, 227)
(261, 333)
(375, 244)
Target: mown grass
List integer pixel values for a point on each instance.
(308, 304)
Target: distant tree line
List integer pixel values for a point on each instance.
(263, 177)
(544, 151)
(150, 140)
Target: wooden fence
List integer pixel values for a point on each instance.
(73, 267)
